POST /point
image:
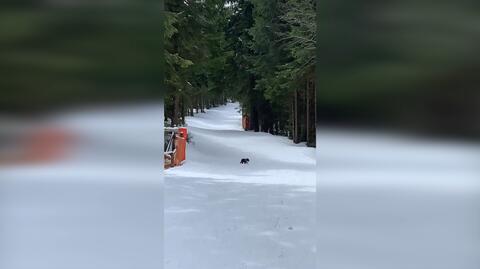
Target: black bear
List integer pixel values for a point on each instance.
(244, 161)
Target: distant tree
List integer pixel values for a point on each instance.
(259, 52)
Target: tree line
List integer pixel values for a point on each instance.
(258, 52)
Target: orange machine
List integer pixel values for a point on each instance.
(180, 146)
(175, 151)
(183, 132)
(45, 144)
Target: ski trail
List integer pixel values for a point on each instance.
(219, 143)
(221, 214)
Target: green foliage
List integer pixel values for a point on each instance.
(274, 43)
(196, 56)
(254, 51)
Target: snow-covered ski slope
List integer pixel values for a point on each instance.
(220, 214)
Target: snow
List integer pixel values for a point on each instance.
(391, 160)
(386, 200)
(101, 207)
(380, 200)
(220, 214)
(219, 143)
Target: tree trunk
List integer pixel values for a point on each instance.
(196, 104)
(311, 112)
(307, 110)
(254, 118)
(292, 121)
(176, 108)
(202, 104)
(303, 112)
(296, 117)
(182, 110)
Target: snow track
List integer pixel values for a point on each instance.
(220, 214)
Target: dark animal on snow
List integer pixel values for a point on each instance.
(244, 161)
